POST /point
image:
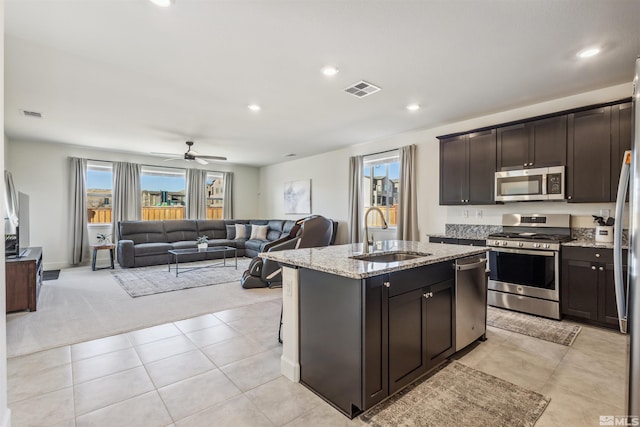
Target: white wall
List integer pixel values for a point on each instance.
(329, 173)
(41, 170)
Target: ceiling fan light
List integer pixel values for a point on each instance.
(162, 3)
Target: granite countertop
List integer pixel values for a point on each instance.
(336, 259)
(591, 243)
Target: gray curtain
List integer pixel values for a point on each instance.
(127, 194)
(356, 202)
(10, 204)
(407, 204)
(196, 194)
(227, 204)
(78, 211)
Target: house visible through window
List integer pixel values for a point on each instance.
(381, 182)
(99, 192)
(163, 193)
(215, 195)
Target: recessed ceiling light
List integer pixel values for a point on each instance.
(162, 3)
(589, 52)
(254, 107)
(329, 71)
(413, 107)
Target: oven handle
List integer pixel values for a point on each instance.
(524, 251)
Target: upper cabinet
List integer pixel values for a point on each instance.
(621, 136)
(535, 144)
(467, 169)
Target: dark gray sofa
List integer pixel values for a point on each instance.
(142, 243)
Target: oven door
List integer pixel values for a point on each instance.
(525, 272)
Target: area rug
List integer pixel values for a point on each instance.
(50, 274)
(458, 395)
(141, 281)
(533, 326)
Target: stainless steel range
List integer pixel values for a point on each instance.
(525, 263)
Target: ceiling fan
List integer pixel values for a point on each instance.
(191, 155)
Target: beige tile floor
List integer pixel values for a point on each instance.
(223, 369)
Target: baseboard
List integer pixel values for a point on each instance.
(57, 265)
(290, 369)
(6, 420)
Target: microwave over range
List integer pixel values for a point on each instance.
(530, 184)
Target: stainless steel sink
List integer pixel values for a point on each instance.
(390, 256)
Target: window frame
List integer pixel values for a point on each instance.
(368, 165)
(149, 170)
(213, 175)
(99, 165)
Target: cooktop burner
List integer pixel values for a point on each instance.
(530, 236)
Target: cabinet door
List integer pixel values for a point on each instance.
(407, 338)
(620, 142)
(549, 147)
(608, 309)
(440, 329)
(453, 171)
(376, 364)
(589, 156)
(482, 167)
(513, 147)
(580, 289)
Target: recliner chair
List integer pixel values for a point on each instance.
(309, 232)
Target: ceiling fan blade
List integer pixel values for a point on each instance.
(212, 157)
(173, 158)
(164, 154)
(202, 162)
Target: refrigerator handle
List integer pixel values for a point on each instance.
(621, 302)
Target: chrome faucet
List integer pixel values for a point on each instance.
(367, 241)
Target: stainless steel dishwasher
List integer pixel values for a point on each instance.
(471, 300)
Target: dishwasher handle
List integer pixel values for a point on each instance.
(472, 266)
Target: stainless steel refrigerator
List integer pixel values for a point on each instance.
(629, 304)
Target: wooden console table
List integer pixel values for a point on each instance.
(23, 280)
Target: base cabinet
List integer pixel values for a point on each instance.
(588, 290)
(23, 277)
(363, 340)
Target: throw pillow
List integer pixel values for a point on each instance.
(241, 231)
(231, 232)
(259, 232)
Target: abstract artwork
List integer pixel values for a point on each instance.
(297, 197)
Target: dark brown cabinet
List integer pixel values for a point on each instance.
(362, 340)
(467, 168)
(534, 144)
(454, 241)
(589, 156)
(23, 277)
(588, 291)
(621, 136)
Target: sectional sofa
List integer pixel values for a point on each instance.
(142, 243)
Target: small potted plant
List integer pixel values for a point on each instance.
(202, 242)
(103, 239)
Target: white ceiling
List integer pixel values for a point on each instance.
(129, 76)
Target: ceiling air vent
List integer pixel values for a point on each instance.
(33, 114)
(362, 89)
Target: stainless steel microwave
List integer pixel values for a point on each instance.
(530, 184)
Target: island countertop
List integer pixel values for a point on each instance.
(338, 259)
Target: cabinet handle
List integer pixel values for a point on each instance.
(569, 197)
(428, 294)
(593, 267)
(524, 164)
(387, 284)
(601, 268)
(531, 164)
(597, 255)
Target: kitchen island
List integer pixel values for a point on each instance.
(358, 327)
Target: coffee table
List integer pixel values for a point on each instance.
(177, 252)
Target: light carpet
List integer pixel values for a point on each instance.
(533, 326)
(155, 279)
(458, 395)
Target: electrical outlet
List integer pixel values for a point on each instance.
(604, 213)
(287, 287)
(478, 213)
(465, 213)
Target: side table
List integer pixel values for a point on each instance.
(110, 246)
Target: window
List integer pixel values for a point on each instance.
(381, 181)
(215, 195)
(163, 193)
(99, 192)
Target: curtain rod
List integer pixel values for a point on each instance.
(381, 152)
(152, 166)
